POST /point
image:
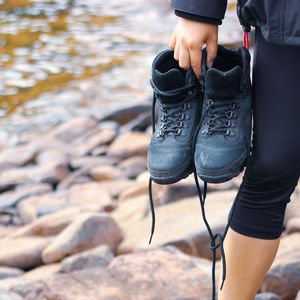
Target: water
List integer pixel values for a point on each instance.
(62, 58)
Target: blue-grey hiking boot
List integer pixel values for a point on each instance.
(179, 97)
(224, 137)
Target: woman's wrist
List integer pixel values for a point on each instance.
(195, 17)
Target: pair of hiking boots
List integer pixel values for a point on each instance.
(203, 125)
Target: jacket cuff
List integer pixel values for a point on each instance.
(206, 8)
(194, 17)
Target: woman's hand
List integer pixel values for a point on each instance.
(187, 41)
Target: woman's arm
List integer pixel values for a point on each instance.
(197, 26)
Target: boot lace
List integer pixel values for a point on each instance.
(219, 115)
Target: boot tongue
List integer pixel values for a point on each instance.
(170, 80)
(223, 85)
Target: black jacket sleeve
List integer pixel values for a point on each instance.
(198, 18)
(206, 8)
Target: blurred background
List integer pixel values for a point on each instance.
(75, 111)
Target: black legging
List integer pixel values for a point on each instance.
(273, 169)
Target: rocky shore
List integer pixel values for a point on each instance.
(75, 219)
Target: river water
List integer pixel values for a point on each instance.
(62, 58)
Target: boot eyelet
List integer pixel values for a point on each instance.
(228, 123)
(229, 114)
(210, 102)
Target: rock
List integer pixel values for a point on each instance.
(6, 272)
(293, 225)
(133, 166)
(49, 173)
(53, 156)
(71, 130)
(43, 272)
(159, 274)
(163, 273)
(91, 195)
(129, 144)
(140, 123)
(293, 207)
(22, 253)
(178, 223)
(16, 157)
(140, 189)
(283, 278)
(31, 208)
(85, 232)
(124, 114)
(267, 296)
(50, 224)
(10, 296)
(106, 173)
(90, 284)
(116, 187)
(86, 145)
(76, 177)
(90, 161)
(11, 198)
(96, 257)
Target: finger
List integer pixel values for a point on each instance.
(212, 49)
(176, 51)
(172, 41)
(195, 57)
(184, 58)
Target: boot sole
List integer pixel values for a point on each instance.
(225, 174)
(170, 179)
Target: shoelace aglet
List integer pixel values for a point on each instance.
(150, 238)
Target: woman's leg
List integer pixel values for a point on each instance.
(272, 171)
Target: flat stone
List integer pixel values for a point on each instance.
(103, 173)
(73, 129)
(46, 173)
(53, 156)
(129, 144)
(97, 257)
(283, 278)
(16, 156)
(43, 272)
(85, 232)
(50, 224)
(22, 253)
(87, 144)
(91, 195)
(11, 198)
(133, 166)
